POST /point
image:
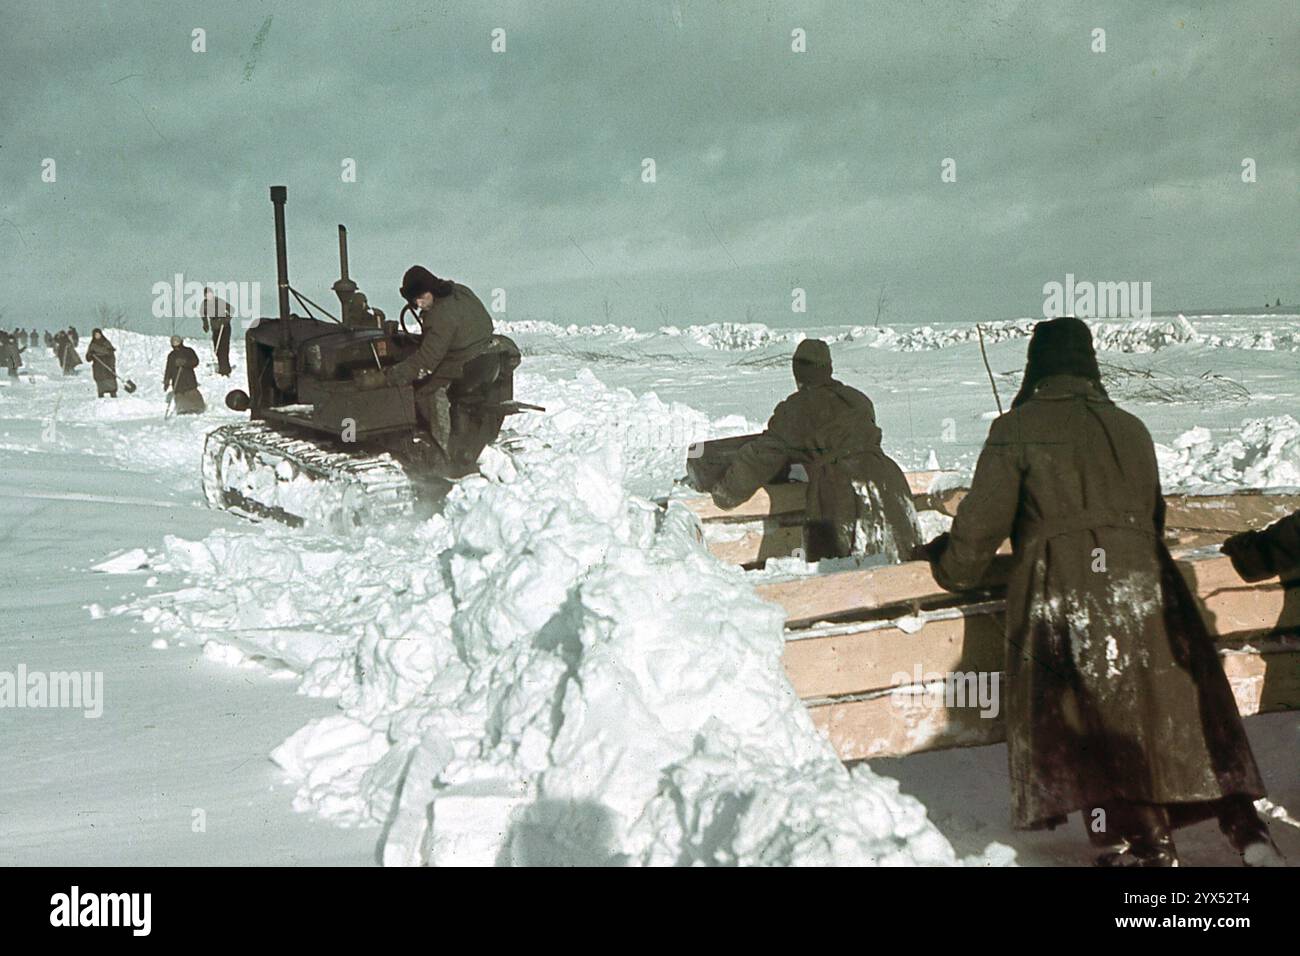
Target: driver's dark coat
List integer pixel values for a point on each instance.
(454, 328)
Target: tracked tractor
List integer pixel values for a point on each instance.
(329, 440)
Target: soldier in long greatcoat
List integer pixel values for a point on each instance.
(1115, 701)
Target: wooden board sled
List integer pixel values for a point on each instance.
(769, 525)
(872, 652)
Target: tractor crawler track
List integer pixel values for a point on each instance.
(248, 468)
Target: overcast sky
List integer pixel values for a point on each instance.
(523, 170)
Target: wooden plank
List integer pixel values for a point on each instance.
(1231, 603)
(825, 597)
(1227, 514)
(752, 545)
(790, 498)
(945, 502)
(884, 726)
(847, 661)
(861, 661)
(893, 725)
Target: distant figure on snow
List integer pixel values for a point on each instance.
(66, 352)
(73, 336)
(216, 318)
(178, 378)
(859, 502)
(10, 356)
(103, 363)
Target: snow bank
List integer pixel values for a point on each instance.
(583, 414)
(1132, 336)
(556, 331)
(734, 336)
(1264, 454)
(553, 670)
(1136, 335)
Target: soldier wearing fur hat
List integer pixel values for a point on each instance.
(1115, 701)
(455, 327)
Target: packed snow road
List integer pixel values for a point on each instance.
(174, 769)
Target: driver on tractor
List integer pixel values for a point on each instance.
(457, 358)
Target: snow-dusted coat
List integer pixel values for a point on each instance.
(858, 500)
(1113, 689)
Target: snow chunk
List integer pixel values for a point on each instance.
(124, 563)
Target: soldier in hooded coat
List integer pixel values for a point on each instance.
(858, 501)
(103, 363)
(1115, 701)
(179, 379)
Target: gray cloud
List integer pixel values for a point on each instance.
(521, 170)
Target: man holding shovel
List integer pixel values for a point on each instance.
(216, 318)
(179, 382)
(103, 364)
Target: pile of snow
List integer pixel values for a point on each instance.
(583, 414)
(1264, 453)
(1268, 340)
(556, 331)
(553, 670)
(734, 336)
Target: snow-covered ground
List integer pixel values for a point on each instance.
(551, 670)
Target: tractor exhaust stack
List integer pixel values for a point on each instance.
(279, 194)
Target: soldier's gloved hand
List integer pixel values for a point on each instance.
(932, 551)
(1250, 556)
(725, 501)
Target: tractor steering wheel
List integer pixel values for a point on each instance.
(401, 317)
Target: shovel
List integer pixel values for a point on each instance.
(127, 385)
